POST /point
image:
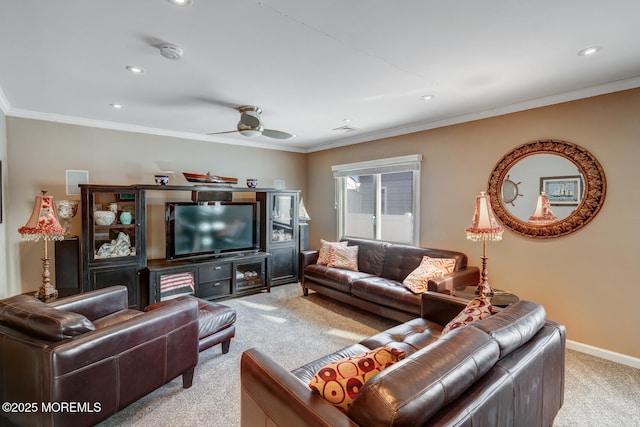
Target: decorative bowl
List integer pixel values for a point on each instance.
(252, 182)
(162, 179)
(104, 217)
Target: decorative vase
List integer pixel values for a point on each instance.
(67, 209)
(125, 218)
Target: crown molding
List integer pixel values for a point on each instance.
(617, 86)
(101, 124)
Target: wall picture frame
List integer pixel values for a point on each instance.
(563, 190)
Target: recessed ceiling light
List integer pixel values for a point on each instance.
(135, 70)
(426, 97)
(182, 3)
(117, 106)
(346, 120)
(588, 51)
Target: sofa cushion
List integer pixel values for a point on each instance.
(477, 309)
(513, 326)
(387, 293)
(335, 278)
(339, 382)
(34, 317)
(343, 257)
(371, 255)
(409, 336)
(325, 251)
(418, 280)
(412, 390)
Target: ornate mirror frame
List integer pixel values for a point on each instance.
(595, 186)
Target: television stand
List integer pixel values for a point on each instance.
(211, 278)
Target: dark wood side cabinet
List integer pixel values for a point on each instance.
(279, 234)
(114, 252)
(218, 278)
(67, 261)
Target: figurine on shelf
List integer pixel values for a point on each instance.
(120, 246)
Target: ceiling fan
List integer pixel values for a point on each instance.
(250, 125)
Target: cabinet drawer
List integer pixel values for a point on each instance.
(217, 288)
(210, 273)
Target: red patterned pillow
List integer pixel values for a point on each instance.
(478, 308)
(417, 281)
(340, 381)
(343, 257)
(325, 249)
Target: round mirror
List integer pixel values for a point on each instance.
(570, 179)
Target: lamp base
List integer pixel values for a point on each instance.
(484, 288)
(47, 291)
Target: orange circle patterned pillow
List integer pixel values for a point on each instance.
(339, 382)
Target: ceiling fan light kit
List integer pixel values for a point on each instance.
(250, 125)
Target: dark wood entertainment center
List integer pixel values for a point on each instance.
(115, 253)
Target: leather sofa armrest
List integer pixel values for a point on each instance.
(308, 258)
(95, 304)
(469, 276)
(271, 395)
(179, 319)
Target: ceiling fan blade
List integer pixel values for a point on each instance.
(220, 133)
(277, 134)
(250, 120)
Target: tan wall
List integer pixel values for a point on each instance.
(40, 152)
(587, 280)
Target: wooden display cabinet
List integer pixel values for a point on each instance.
(279, 233)
(113, 253)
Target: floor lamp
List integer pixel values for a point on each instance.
(43, 224)
(484, 226)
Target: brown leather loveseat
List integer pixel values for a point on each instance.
(377, 285)
(505, 370)
(79, 360)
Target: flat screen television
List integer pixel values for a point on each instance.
(200, 230)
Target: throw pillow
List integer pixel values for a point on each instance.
(34, 317)
(325, 249)
(417, 281)
(478, 308)
(344, 257)
(339, 382)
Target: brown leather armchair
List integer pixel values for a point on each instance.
(81, 359)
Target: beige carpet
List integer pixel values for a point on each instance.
(295, 330)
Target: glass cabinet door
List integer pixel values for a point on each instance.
(114, 225)
(282, 217)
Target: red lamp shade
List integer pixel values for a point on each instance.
(43, 222)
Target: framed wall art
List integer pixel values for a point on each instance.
(563, 190)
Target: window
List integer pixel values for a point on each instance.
(379, 199)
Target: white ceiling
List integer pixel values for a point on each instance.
(308, 64)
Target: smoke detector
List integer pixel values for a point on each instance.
(170, 51)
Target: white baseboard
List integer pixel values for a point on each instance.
(623, 359)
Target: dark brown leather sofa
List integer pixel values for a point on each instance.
(377, 285)
(506, 370)
(79, 360)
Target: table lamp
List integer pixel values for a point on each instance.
(484, 226)
(43, 224)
